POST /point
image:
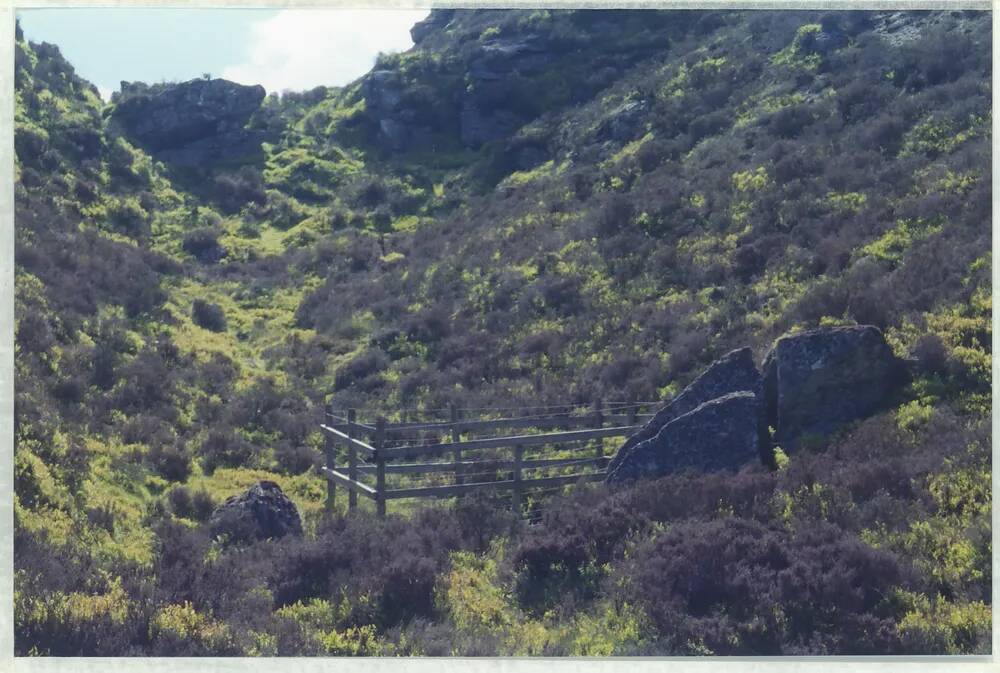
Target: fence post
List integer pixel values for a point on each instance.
(380, 466)
(352, 461)
(456, 435)
(331, 489)
(518, 487)
(632, 411)
(599, 423)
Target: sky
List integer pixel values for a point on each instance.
(286, 49)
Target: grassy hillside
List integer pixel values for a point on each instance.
(650, 190)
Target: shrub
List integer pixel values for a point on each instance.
(145, 385)
(556, 559)
(207, 315)
(224, 449)
(614, 215)
(203, 244)
(180, 630)
(788, 122)
(365, 365)
(76, 623)
(202, 505)
(738, 587)
(179, 498)
(129, 217)
(149, 430)
(233, 191)
(295, 459)
(170, 462)
(931, 353)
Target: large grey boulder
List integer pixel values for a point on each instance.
(817, 380)
(189, 123)
(722, 434)
(733, 372)
(262, 512)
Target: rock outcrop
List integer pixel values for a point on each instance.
(435, 21)
(263, 512)
(722, 434)
(487, 112)
(626, 122)
(404, 114)
(733, 372)
(192, 122)
(817, 380)
(384, 91)
(812, 383)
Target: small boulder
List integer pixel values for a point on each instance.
(263, 512)
(721, 434)
(733, 372)
(817, 380)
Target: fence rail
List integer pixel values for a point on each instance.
(478, 472)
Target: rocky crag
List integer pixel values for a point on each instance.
(190, 123)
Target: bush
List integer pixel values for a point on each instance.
(203, 244)
(145, 386)
(295, 459)
(179, 498)
(207, 315)
(170, 462)
(233, 191)
(224, 449)
(737, 587)
(363, 366)
(202, 505)
(614, 215)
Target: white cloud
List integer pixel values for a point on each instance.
(299, 49)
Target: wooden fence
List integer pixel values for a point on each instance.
(477, 458)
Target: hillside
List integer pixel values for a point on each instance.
(527, 208)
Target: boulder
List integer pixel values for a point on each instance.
(817, 380)
(263, 512)
(196, 121)
(722, 434)
(733, 372)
